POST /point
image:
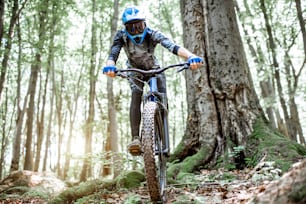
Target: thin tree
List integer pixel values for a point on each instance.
(20, 111)
(50, 122)
(86, 169)
(15, 13)
(111, 144)
(289, 107)
(4, 136)
(256, 51)
(2, 12)
(42, 14)
(275, 63)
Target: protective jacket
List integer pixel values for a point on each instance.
(141, 55)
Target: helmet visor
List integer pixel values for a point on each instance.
(134, 28)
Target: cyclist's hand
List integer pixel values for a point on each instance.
(195, 62)
(110, 70)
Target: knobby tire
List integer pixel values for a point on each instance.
(154, 158)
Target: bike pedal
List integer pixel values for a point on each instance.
(135, 151)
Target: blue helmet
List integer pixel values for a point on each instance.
(134, 14)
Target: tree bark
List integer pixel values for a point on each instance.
(276, 72)
(289, 189)
(2, 11)
(302, 24)
(222, 103)
(267, 90)
(42, 13)
(86, 170)
(20, 112)
(4, 136)
(15, 13)
(111, 144)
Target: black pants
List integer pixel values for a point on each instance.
(137, 92)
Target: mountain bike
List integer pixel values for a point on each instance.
(154, 130)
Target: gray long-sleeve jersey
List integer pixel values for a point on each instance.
(141, 55)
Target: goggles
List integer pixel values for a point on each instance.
(135, 28)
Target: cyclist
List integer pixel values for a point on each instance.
(139, 42)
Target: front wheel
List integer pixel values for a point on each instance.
(153, 151)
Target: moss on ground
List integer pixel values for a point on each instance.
(130, 179)
(188, 165)
(276, 147)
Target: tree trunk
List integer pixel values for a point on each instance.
(276, 77)
(49, 127)
(302, 24)
(41, 124)
(267, 90)
(15, 13)
(111, 144)
(72, 108)
(4, 137)
(8, 45)
(222, 103)
(28, 164)
(303, 31)
(58, 89)
(289, 189)
(86, 170)
(35, 69)
(2, 11)
(20, 112)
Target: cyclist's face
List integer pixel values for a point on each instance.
(135, 27)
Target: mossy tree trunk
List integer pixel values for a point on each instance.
(222, 103)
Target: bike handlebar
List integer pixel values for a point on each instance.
(152, 72)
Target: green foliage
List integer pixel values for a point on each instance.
(224, 161)
(237, 151)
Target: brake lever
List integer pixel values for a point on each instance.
(121, 74)
(186, 66)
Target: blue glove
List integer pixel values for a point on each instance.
(195, 59)
(195, 62)
(110, 70)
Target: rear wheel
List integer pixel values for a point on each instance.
(154, 157)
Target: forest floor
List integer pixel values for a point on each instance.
(230, 188)
(211, 187)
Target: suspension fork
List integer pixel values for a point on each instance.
(162, 98)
